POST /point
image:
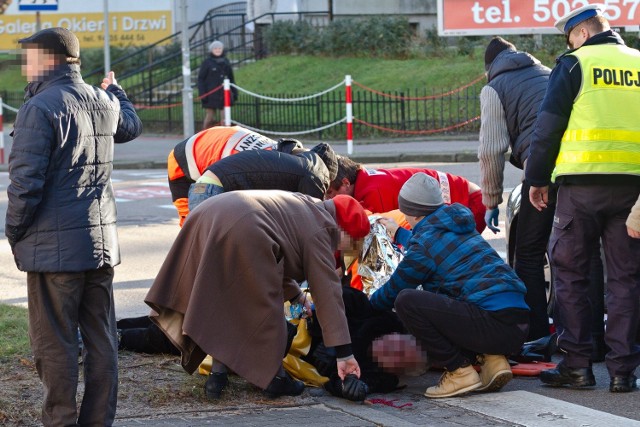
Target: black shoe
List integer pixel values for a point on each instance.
(623, 384)
(573, 377)
(283, 386)
(540, 350)
(216, 382)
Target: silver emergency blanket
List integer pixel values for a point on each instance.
(378, 259)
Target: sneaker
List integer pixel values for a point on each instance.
(455, 383)
(494, 373)
(284, 386)
(216, 382)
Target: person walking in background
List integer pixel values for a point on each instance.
(61, 224)
(586, 140)
(472, 303)
(516, 84)
(212, 73)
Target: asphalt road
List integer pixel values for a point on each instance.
(148, 225)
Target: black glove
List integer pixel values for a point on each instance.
(354, 389)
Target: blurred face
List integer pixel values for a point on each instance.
(217, 51)
(348, 243)
(37, 63)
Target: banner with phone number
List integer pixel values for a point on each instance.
(489, 17)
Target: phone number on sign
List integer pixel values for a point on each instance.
(458, 17)
(549, 11)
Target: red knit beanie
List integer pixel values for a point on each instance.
(350, 216)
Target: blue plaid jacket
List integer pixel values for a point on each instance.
(447, 256)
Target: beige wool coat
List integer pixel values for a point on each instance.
(221, 288)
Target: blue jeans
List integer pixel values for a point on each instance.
(200, 191)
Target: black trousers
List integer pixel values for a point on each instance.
(59, 303)
(584, 215)
(532, 236)
(454, 332)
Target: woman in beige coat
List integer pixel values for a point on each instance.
(238, 257)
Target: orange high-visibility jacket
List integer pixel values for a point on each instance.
(189, 158)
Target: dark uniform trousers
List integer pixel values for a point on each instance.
(585, 214)
(58, 304)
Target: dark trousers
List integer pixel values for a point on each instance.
(532, 236)
(454, 332)
(584, 215)
(141, 335)
(59, 303)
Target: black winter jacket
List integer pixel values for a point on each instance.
(61, 215)
(273, 170)
(520, 81)
(212, 72)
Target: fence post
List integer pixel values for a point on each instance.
(349, 101)
(1, 135)
(227, 102)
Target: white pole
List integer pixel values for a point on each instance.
(107, 49)
(227, 102)
(349, 108)
(187, 92)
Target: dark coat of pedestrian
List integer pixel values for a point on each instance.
(237, 259)
(213, 71)
(61, 224)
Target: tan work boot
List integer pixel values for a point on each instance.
(455, 383)
(495, 372)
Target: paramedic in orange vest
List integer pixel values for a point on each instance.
(191, 157)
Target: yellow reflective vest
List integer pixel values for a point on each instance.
(603, 133)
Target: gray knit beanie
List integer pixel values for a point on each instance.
(420, 195)
(216, 44)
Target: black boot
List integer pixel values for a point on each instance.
(283, 385)
(216, 382)
(572, 377)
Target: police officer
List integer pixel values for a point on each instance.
(587, 140)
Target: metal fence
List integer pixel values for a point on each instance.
(389, 114)
(401, 113)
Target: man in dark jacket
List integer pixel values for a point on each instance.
(61, 224)
(308, 172)
(509, 104)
